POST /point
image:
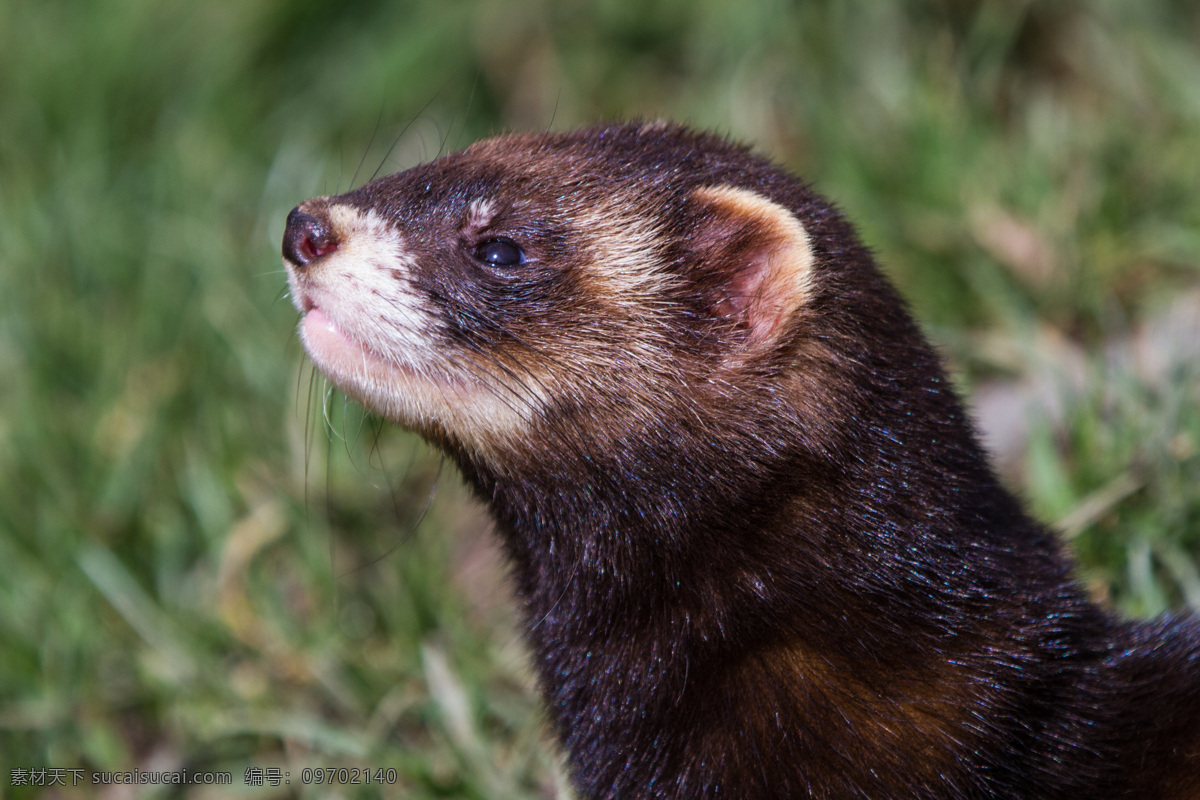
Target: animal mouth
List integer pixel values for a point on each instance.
(330, 345)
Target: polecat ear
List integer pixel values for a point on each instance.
(752, 259)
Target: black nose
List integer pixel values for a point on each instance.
(306, 238)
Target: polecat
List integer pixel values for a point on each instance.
(758, 548)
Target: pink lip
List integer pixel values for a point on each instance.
(316, 317)
(322, 335)
(331, 348)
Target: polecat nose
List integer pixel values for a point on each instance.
(306, 238)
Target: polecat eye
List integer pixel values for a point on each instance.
(500, 253)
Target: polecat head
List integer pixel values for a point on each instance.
(568, 294)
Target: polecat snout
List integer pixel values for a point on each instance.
(758, 548)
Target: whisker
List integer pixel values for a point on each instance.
(566, 587)
(367, 149)
(526, 398)
(467, 114)
(442, 147)
(400, 136)
(554, 113)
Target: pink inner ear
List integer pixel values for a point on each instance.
(759, 254)
(744, 291)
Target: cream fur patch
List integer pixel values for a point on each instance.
(480, 213)
(625, 253)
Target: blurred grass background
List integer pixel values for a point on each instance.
(209, 563)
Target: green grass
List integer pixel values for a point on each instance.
(201, 571)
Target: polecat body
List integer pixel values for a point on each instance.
(758, 549)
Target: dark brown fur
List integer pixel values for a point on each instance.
(758, 548)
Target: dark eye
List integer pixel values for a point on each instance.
(500, 253)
